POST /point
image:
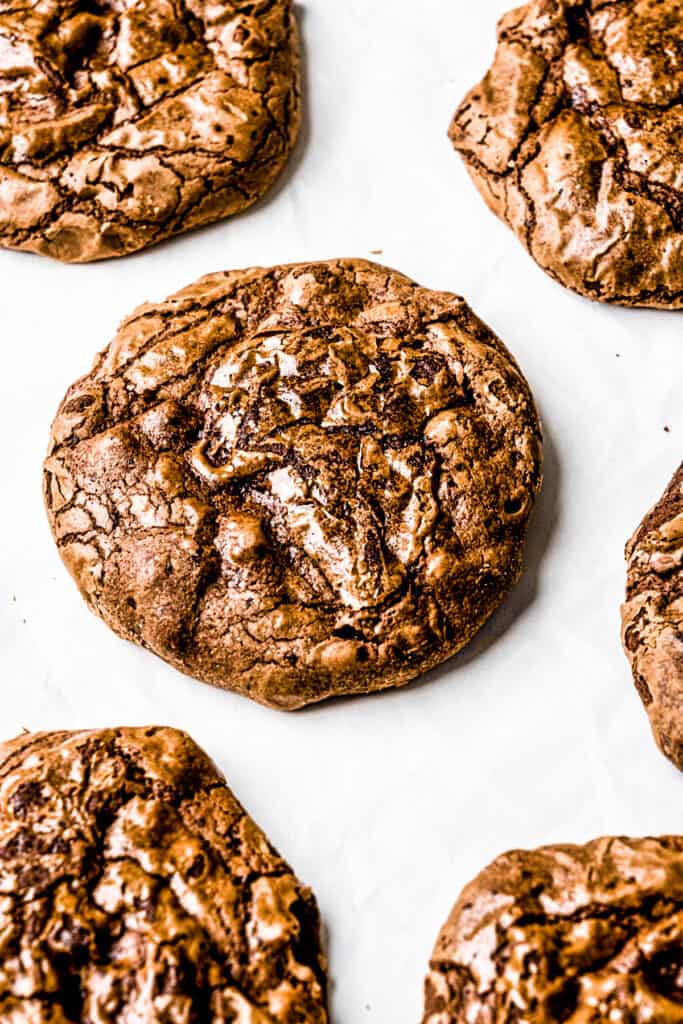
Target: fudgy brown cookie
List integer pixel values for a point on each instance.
(133, 887)
(565, 935)
(574, 139)
(652, 617)
(297, 482)
(123, 122)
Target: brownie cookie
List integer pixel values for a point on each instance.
(565, 935)
(297, 482)
(574, 139)
(652, 617)
(123, 122)
(135, 888)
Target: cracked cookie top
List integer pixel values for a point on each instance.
(134, 887)
(574, 139)
(297, 482)
(652, 617)
(572, 934)
(123, 122)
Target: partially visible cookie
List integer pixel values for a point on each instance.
(133, 887)
(565, 935)
(574, 139)
(122, 124)
(652, 617)
(297, 482)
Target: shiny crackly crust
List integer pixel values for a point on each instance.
(133, 887)
(565, 935)
(573, 139)
(297, 482)
(123, 122)
(652, 617)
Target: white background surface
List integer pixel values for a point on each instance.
(387, 804)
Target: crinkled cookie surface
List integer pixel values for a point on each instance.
(565, 935)
(133, 887)
(297, 482)
(123, 122)
(652, 617)
(574, 139)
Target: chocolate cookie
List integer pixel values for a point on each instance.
(574, 139)
(125, 123)
(652, 617)
(565, 935)
(297, 482)
(135, 888)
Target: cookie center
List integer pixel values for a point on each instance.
(323, 431)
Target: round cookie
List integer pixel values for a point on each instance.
(297, 482)
(573, 139)
(135, 888)
(652, 617)
(125, 122)
(565, 935)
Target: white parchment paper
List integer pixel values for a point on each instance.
(386, 805)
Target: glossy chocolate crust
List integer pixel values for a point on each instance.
(133, 887)
(123, 122)
(652, 617)
(574, 139)
(565, 935)
(297, 482)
